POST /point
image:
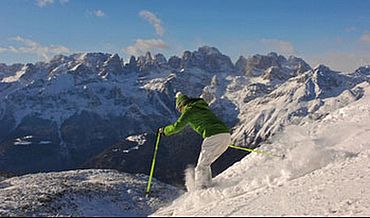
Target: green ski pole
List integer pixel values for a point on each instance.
(153, 163)
(256, 151)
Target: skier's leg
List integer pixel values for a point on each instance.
(212, 148)
(190, 178)
(203, 177)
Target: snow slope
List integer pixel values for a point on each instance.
(326, 171)
(82, 193)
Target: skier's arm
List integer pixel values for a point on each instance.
(178, 125)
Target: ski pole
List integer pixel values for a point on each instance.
(153, 163)
(256, 151)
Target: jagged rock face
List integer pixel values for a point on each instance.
(362, 72)
(256, 90)
(73, 108)
(263, 62)
(271, 66)
(174, 62)
(208, 59)
(298, 65)
(113, 65)
(146, 64)
(275, 73)
(255, 65)
(160, 60)
(131, 66)
(6, 71)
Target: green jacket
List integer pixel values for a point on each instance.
(200, 118)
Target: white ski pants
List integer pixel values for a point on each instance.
(212, 148)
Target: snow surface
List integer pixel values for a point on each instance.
(326, 172)
(138, 139)
(82, 193)
(23, 140)
(15, 77)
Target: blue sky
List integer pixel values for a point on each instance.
(331, 32)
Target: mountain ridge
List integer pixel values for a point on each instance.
(85, 103)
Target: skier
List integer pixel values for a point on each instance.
(196, 113)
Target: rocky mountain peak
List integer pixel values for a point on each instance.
(10, 70)
(148, 57)
(207, 50)
(132, 60)
(174, 62)
(365, 70)
(259, 65)
(209, 59)
(160, 59)
(272, 54)
(114, 65)
(321, 69)
(186, 55)
(60, 59)
(329, 83)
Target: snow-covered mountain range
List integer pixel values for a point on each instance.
(79, 110)
(92, 110)
(325, 172)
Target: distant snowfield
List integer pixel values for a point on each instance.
(326, 172)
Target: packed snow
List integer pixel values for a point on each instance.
(23, 140)
(82, 193)
(139, 140)
(326, 172)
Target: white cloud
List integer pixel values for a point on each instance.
(43, 3)
(142, 46)
(279, 46)
(31, 47)
(95, 13)
(99, 13)
(154, 20)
